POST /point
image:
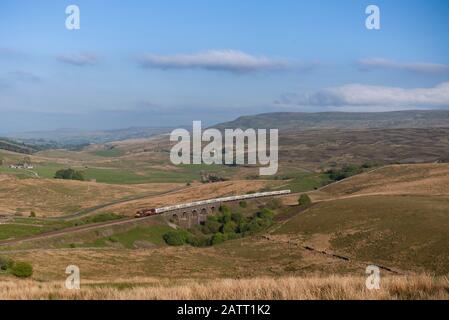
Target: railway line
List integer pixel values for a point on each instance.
(150, 213)
(124, 221)
(155, 211)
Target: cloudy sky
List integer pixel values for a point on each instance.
(167, 62)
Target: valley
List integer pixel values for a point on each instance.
(378, 196)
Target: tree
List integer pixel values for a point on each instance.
(226, 217)
(224, 209)
(211, 225)
(304, 200)
(69, 174)
(229, 227)
(174, 238)
(252, 227)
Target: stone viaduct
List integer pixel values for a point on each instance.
(188, 217)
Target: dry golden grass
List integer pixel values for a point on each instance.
(288, 288)
(50, 197)
(412, 179)
(196, 192)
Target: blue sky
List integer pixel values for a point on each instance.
(166, 63)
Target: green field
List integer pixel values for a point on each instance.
(182, 174)
(113, 152)
(297, 180)
(25, 227)
(130, 239)
(46, 170)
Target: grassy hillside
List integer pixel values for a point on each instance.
(396, 215)
(417, 179)
(406, 232)
(323, 148)
(342, 120)
(49, 197)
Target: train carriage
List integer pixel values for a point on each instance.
(154, 211)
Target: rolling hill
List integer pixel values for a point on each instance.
(396, 216)
(73, 137)
(19, 147)
(53, 197)
(342, 120)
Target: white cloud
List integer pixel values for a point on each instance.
(417, 67)
(224, 60)
(375, 97)
(80, 59)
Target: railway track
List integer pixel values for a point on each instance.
(90, 210)
(69, 230)
(113, 223)
(100, 225)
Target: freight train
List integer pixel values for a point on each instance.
(154, 211)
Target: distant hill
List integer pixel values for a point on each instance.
(73, 137)
(342, 120)
(10, 145)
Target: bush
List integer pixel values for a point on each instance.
(5, 263)
(113, 239)
(219, 228)
(274, 204)
(237, 217)
(265, 214)
(175, 238)
(32, 214)
(252, 227)
(243, 204)
(211, 225)
(232, 236)
(22, 269)
(368, 165)
(217, 238)
(229, 227)
(343, 173)
(225, 218)
(225, 209)
(198, 240)
(304, 200)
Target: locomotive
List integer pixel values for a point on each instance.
(145, 213)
